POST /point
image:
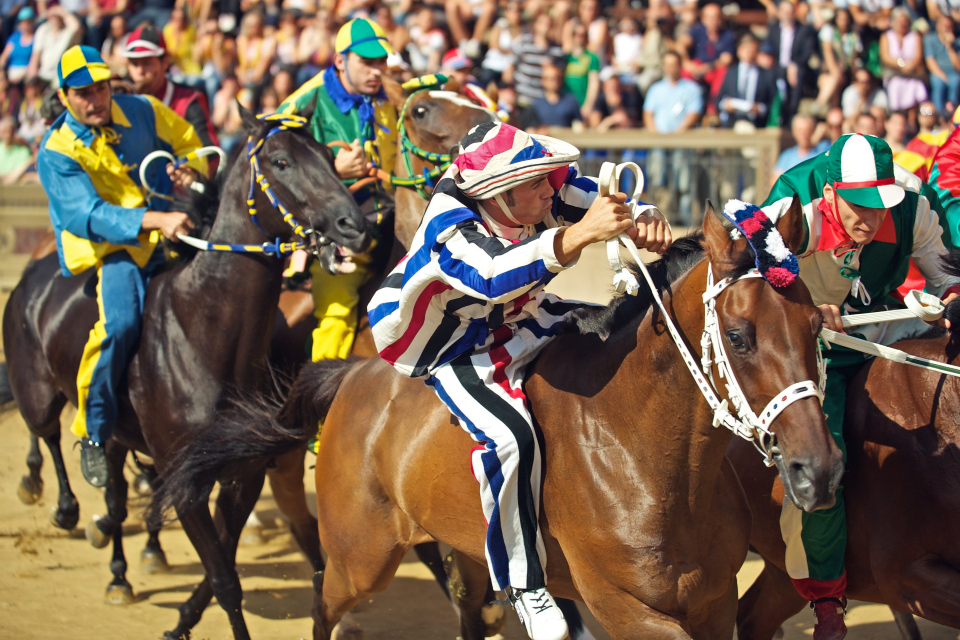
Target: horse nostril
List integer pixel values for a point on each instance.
(348, 226)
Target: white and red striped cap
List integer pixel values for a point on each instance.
(145, 42)
(496, 157)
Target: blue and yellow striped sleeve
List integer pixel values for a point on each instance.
(76, 206)
(178, 133)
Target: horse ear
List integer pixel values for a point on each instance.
(307, 111)
(452, 84)
(716, 236)
(791, 227)
(250, 123)
(395, 93)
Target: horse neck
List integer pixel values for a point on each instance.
(251, 279)
(684, 434)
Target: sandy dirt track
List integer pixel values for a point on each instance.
(52, 582)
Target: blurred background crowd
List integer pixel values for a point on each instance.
(816, 68)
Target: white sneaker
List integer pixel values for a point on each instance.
(539, 614)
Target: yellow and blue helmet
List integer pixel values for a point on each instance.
(81, 66)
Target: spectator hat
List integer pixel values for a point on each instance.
(145, 42)
(365, 38)
(860, 169)
(81, 66)
(496, 157)
(26, 13)
(455, 59)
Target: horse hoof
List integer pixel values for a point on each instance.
(30, 490)
(252, 537)
(66, 520)
(779, 635)
(120, 594)
(153, 561)
(494, 619)
(347, 629)
(95, 536)
(172, 635)
(141, 484)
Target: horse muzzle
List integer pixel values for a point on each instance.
(811, 483)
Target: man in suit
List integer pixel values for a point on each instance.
(793, 44)
(747, 90)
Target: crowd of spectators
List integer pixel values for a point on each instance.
(816, 67)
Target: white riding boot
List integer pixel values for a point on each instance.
(539, 614)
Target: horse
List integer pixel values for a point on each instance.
(643, 517)
(902, 488)
(205, 335)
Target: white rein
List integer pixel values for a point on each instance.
(753, 427)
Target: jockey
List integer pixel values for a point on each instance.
(88, 164)
(351, 106)
(866, 218)
(147, 64)
(466, 310)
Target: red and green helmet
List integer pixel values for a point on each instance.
(860, 170)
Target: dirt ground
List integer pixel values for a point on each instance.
(52, 582)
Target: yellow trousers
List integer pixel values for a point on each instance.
(335, 300)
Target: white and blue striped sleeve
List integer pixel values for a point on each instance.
(493, 268)
(575, 196)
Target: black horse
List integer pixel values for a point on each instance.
(206, 332)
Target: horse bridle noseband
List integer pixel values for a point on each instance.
(741, 420)
(279, 122)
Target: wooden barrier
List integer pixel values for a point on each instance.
(24, 222)
(760, 148)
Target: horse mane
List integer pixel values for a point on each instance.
(683, 255)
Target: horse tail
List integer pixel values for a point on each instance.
(253, 429)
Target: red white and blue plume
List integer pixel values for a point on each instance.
(775, 261)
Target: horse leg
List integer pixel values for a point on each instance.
(152, 558)
(930, 588)
(119, 591)
(67, 513)
(469, 593)
(625, 618)
(286, 482)
(429, 554)
(31, 486)
(907, 625)
(767, 604)
(216, 543)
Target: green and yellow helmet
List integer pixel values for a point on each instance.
(363, 37)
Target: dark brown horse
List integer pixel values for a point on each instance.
(902, 489)
(643, 516)
(205, 335)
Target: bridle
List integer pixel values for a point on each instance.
(740, 419)
(279, 122)
(441, 161)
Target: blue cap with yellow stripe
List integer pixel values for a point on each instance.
(81, 66)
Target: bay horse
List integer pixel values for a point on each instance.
(205, 335)
(902, 488)
(643, 517)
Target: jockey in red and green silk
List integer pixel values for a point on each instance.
(866, 218)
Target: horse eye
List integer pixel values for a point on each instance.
(420, 112)
(281, 164)
(736, 340)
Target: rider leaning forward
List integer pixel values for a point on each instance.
(466, 310)
(350, 106)
(88, 164)
(866, 217)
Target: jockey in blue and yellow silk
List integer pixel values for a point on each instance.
(89, 167)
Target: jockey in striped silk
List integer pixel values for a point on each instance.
(466, 310)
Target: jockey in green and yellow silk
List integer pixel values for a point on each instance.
(89, 164)
(351, 106)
